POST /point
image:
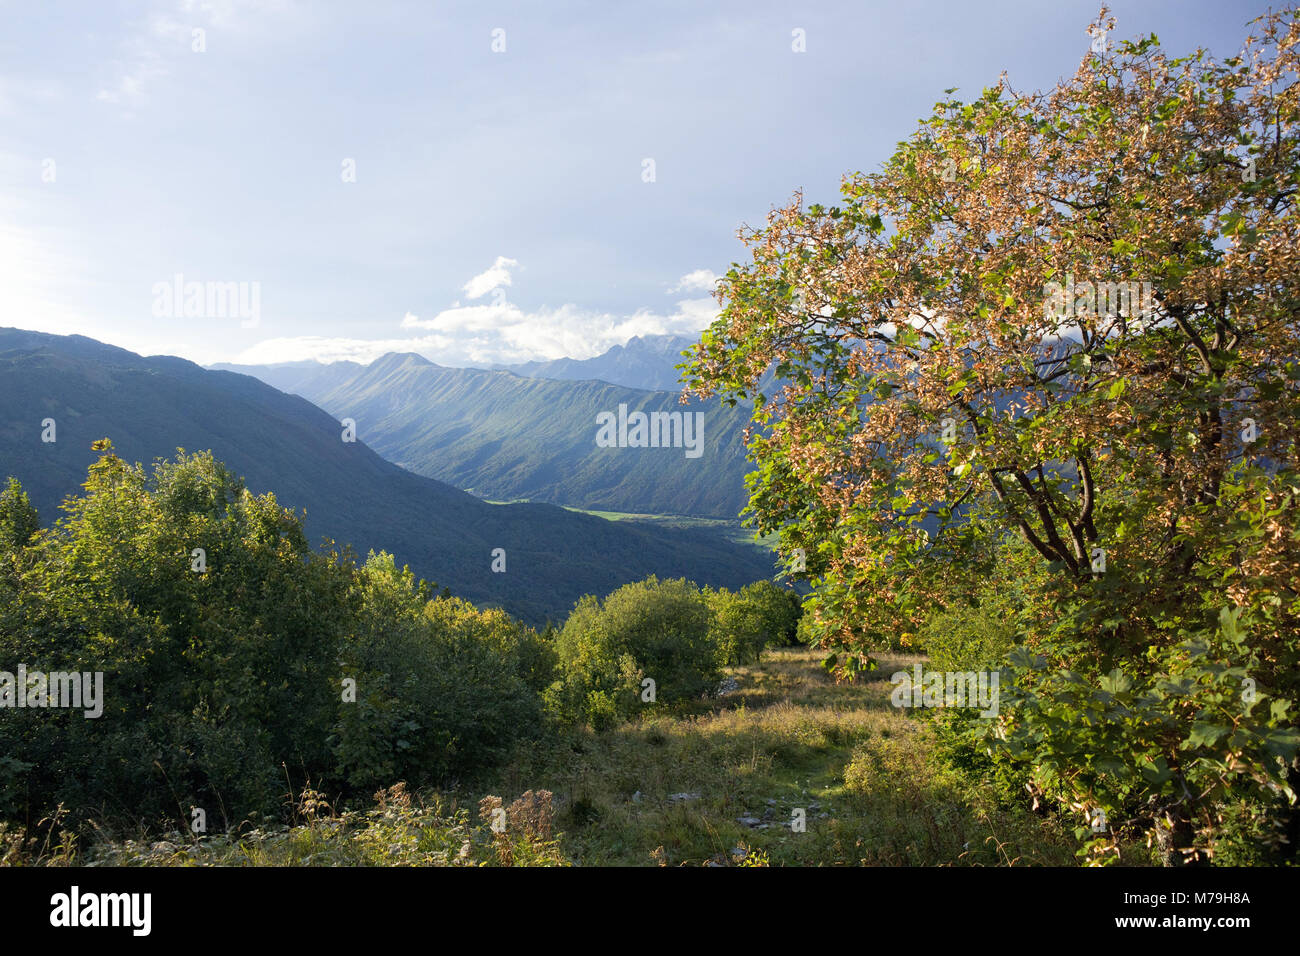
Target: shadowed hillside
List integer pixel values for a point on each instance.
(506, 437)
(282, 443)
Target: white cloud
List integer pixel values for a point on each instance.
(160, 40)
(701, 280)
(234, 14)
(324, 349)
(499, 332)
(131, 81)
(505, 333)
(495, 334)
(165, 28)
(495, 277)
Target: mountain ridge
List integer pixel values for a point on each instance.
(644, 362)
(526, 432)
(286, 444)
(506, 436)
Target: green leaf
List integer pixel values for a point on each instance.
(1228, 618)
(1205, 735)
(1155, 772)
(1283, 743)
(1116, 682)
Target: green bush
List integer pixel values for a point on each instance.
(1178, 751)
(747, 621)
(212, 679)
(967, 638)
(652, 629)
(442, 688)
(222, 671)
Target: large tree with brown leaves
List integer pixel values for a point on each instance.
(1070, 317)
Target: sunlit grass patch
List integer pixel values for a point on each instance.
(791, 768)
(690, 785)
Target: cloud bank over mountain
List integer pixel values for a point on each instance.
(497, 331)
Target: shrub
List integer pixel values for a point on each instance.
(649, 629)
(967, 639)
(443, 688)
(222, 669)
(1177, 750)
(211, 680)
(747, 621)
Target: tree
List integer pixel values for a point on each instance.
(1069, 317)
(223, 641)
(19, 521)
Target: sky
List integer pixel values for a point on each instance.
(261, 181)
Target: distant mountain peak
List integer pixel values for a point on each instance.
(396, 360)
(644, 362)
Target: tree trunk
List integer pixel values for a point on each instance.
(1175, 836)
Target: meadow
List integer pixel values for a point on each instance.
(707, 783)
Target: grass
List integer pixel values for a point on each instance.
(716, 783)
(723, 783)
(729, 528)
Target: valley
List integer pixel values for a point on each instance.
(581, 443)
(149, 407)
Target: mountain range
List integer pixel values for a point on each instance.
(648, 362)
(283, 443)
(508, 436)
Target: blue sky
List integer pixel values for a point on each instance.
(500, 210)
